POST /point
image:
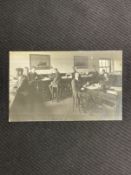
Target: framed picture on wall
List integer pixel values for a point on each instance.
(81, 62)
(40, 61)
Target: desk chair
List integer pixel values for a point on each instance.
(55, 91)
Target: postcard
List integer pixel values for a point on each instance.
(65, 85)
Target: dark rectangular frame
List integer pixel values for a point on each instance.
(81, 67)
(44, 67)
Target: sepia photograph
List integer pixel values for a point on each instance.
(65, 85)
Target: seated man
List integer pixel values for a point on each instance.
(105, 75)
(20, 77)
(93, 77)
(104, 79)
(25, 86)
(55, 82)
(21, 86)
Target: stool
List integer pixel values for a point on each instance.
(55, 90)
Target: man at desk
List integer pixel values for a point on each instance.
(24, 84)
(104, 80)
(93, 77)
(105, 75)
(20, 77)
(21, 87)
(26, 80)
(55, 82)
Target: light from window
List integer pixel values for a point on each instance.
(104, 64)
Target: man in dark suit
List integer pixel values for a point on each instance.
(77, 78)
(76, 86)
(33, 86)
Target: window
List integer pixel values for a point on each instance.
(105, 63)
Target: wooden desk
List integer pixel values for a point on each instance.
(97, 96)
(42, 89)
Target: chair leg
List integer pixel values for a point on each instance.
(78, 103)
(52, 94)
(75, 102)
(51, 91)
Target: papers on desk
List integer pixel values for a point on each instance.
(66, 77)
(116, 88)
(82, 89)
(112, 92)
(94, 86)
(45, 79)
(41, 71)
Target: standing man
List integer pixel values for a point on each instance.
(76, 86)
(76, 76)
(33, 86)
(33, 75)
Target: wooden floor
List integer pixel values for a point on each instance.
(58, 111)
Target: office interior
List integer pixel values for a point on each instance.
(95, 102)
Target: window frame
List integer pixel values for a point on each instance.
(105, 66)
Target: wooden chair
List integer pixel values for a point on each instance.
(55, 92)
